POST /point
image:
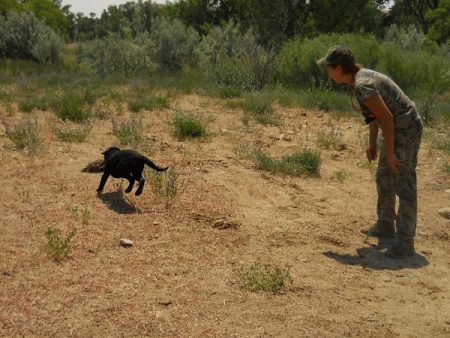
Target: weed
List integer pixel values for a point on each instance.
(187, 125)
(57, 247)
(72, 133)
(27, 104)
(128, 132)
(149, 103)
(340, 176)
(259, 277)
(164, 184)
(25, 135)
(329, 139)
(229, 92)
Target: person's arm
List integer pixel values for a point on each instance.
(371, 151)
(384, 116)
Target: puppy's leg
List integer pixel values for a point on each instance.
(103, 181)
(141, 181)
(131, 180)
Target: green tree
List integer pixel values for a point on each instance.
(50, 13)
(8, 5)
(405, 11)
(439, 20)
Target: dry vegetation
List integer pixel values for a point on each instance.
(182, 276)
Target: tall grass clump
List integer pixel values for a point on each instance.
(57, 247)
(306, 162)
(187, 125)
(27, 104)
(25, 135)
(266, 278)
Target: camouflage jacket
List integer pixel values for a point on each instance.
(369, 82)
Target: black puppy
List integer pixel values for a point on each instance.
(127, 164)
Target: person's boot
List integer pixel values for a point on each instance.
(403, 247)
(380, 229)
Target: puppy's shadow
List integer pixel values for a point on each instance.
(116, 201)
(372, 257)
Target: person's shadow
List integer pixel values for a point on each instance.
(116, 201)
(373, 257)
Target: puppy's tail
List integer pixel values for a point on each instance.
(154, 166)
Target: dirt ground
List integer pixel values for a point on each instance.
(180, 278)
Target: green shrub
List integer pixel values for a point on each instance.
(71, 106)
(27, 104)
(187, 125)
(113, 55)
(57, 247)
(235, 59)
(22, 36)
(173, 44)
(306, 162)
(259, 277)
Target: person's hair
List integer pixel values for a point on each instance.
(346, 69)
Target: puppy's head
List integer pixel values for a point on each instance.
(108, 152)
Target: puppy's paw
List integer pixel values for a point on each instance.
(99, 192)
(138, 192)
(128, 191)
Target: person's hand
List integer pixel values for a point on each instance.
(371, 153)
(395, 164)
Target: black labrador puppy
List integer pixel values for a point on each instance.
(127, 164)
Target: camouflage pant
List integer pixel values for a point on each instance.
(404, 184)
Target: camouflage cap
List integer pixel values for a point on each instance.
(337, 55)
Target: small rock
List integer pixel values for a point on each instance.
(447, 191)
(341, 147)
(126, 242)
(386, 279)
(445, 212)
(280, 137)
(155, 223)
(224, 130)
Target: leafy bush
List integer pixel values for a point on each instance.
(71, 106)
(235, 59)
(173, 44)
(408, 38)
(112, 55)
(23, 36)
(187, 125)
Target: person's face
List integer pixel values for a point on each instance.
(335, 73)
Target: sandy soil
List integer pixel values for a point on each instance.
(180, 278)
